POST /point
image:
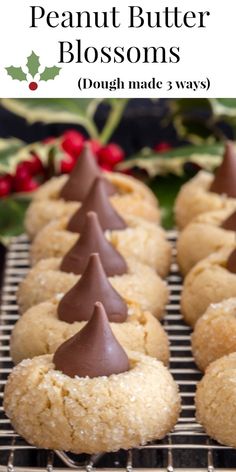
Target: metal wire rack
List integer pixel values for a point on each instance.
(187, 447)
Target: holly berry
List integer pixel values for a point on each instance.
(23, 171)
(67, 164)
(106, 167)
(33, 86)
(94, 145)
(72, 142)
(163, 146)
(27, 185)
(110, 155)
(35, 165)
(5, 186)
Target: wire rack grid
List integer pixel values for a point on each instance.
(187, 447)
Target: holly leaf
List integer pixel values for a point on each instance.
(12, 212)
(79, 111)
(166, 190)
(50, 73)
(16, 73)
(33, 64)
(9, 149)
(207, 156)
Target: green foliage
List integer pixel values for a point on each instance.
(166, 189)
(9, 149)
(207, 156)
(50, 73)
(66, 110)
(16, 73)
(33, 64)
(199, 120)
(12, 211)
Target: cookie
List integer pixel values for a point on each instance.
(51, 410)
(203, 236)
(92, 395)
(195, 198)
(214, 334)
(215, 400)
(208, 282)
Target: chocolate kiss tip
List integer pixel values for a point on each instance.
(93, 286)
(94, 351)
(82, 177)
(92, 239)
(230, 223)
(231, 262)
(98, 201)
(225, 178)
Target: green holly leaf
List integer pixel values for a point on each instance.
(207, 156)
(12, 213)
(16, 73)
(50, 73)
(33, 64)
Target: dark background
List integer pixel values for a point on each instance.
(142, 125)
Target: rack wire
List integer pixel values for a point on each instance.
(187, 447)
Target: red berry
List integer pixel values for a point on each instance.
(33, 86)
(111, 155)
(72, 142)
(35, 165)
(23, 171)
(163, 146)
(9, 178)
(94, 145)
(5, 186)
(106, 167)
(27, 185)
(67, 164)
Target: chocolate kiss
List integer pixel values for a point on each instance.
(98, 201)
(94, 286)
(231, 262)
(225, 177)
(94, 351)
(82, 177)
(93, 240)
(230, 223)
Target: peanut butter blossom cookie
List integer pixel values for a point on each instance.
(62, 196)
(133, 280)
(91, 396)
(210, 281)
(131, 236)
(44, 327)
(206, 234)
(206, 192)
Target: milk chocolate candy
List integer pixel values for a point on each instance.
(94, 351)
(231, 262)
(225, 177)
(92, 240)
(93, 286)
(82, 178)
(230, 223)
(97, 201)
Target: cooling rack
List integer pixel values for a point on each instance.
(186, 448)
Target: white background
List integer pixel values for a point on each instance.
(204, 53)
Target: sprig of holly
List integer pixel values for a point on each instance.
(33, 65)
